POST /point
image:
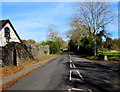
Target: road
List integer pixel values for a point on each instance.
(70, 72)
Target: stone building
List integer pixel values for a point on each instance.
(8, 33)
(12, 50)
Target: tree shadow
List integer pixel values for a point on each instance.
(99, 77)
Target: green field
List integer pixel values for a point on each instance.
(111, 55)
(108, 53)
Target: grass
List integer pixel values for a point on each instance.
(7, 85)
(111, 55)
(8, 70)
(108, 53)
(91, 57)
(14, 69)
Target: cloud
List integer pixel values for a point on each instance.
(27, 25)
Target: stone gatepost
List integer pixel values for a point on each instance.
(105, 57)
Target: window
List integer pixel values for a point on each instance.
(7, 32)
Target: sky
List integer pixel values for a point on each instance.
(31, 19)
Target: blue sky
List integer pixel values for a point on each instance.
(31, 19)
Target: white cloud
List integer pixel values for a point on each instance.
(27, 25)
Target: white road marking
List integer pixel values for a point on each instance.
(70, 78)
(90, 90)
(70, 75)
(80, 75)
(69, 56)
(74, 66)
(77, 89)
(76, 71)
(71, 66)
(69, 90)
(81, 89)
(70, 60)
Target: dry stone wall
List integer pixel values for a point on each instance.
(16, 53)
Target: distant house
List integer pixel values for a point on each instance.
(8, 33)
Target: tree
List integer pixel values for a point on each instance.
(94, 15)
(30, 41)
(52, 32)
(55, 42)
(111, 44)
(89, 23)
(62, 44)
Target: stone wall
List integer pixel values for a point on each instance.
(16, 53)
(0, 55)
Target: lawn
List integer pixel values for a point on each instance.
(108, 53)
(112, 55)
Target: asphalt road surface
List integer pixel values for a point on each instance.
(71, 73)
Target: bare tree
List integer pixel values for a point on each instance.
(94, 15)
(52, 32)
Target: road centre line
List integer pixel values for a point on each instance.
(70, 75)
(80, 75)
(71, 65)
(69, 90)
(70, 56)
(77, 89)
(70, 60)
(90, 90)
(81, 89)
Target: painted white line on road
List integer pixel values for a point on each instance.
(76, 70)
(71, 66)
(70, 60)
(90, 90)
(70, 56)
(74, 66)
(69, 90)
(70, 75)
(78, 89)
(80, 75)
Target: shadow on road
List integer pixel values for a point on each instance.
(98, 76)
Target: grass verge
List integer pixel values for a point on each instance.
(20, 67)
(8, 70)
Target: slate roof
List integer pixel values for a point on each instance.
(4, 22)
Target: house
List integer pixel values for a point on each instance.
(8, 33)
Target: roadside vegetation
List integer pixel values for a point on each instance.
(54, 41)
(89, 36)
(56, 46)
